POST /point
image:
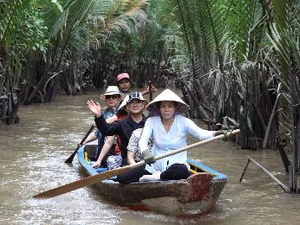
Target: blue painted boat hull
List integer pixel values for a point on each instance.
(193, 196)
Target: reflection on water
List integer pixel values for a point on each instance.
(32, 160)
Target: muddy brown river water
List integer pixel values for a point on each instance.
(32, 160)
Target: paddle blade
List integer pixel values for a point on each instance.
(71, 157)
(86, 181)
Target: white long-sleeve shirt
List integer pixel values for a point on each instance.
(170, 140)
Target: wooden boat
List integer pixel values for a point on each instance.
(193, 196)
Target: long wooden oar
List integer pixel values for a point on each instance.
(105, 175)
(71, 157)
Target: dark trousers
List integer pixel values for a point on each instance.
(132, 175)
(174, 172)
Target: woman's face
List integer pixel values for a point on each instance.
(124, 85)
(167, 109)
(112, 100)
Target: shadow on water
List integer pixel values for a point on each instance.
(32, 160)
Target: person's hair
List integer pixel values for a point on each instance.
(159, 103)
(118, 82)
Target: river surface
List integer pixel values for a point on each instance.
(32, 160)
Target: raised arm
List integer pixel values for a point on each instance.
(94, 107)
(105, 128)
(147, 90)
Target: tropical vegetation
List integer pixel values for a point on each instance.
(236, 61)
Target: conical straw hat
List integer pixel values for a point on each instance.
(167, 95)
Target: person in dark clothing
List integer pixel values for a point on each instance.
(135, 106)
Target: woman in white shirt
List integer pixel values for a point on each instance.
(169, 131)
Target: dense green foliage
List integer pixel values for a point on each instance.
(235, 60)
